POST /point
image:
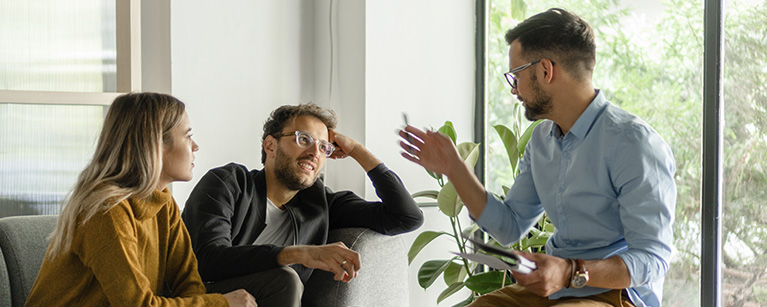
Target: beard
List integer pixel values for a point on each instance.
(541, 103)
(286, 175)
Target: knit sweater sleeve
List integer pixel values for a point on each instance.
(181, 272)
(109, 248)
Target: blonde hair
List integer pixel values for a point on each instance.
(127, 162)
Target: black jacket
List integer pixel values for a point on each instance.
(226, 212)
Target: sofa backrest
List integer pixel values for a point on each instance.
(23, 242)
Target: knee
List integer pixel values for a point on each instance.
(287, 278)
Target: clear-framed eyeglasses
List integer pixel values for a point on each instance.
(510, 74)
(304, 140)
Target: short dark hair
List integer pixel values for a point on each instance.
(282, 115)
(558, 35)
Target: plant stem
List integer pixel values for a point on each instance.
(458, 236)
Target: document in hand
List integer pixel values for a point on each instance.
(521, 265)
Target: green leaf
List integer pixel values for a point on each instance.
(465, 302)
(510, 143)
(469, 153)
(454, 272)
(421, 241)
(469, 231)
(537, 241)
(449, 130)
(426, 193)
(518, 9)
(526, 136)
(448, 201)
(486, 282)
(430, 270)
(433, 175)
(452, 289)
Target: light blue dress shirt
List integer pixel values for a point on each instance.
(608, 187)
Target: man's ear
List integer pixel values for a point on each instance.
(270, 145)
(548, 70)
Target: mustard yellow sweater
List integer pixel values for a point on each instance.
(123, 258)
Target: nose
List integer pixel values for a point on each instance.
(314, 150)
(195, 147)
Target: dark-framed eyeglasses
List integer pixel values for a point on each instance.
(510, 74)
(304, 140)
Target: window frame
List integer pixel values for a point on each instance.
(128, 49)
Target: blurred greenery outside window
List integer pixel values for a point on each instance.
(58, 74)
(650, 63)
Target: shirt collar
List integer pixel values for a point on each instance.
(586, 120)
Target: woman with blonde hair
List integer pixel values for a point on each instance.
(119, 239)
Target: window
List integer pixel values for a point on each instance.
(744, 226)
(650, 62)
(62, 62)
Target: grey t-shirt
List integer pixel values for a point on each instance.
(278, 229)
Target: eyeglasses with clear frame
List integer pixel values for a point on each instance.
(510, 74)
(304, 140)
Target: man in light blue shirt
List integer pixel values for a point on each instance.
(604, 177)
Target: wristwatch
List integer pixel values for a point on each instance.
(580, 275)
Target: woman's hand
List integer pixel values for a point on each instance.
(240, 298)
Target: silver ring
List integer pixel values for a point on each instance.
(344, 262)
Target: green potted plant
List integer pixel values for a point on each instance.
(457, 271)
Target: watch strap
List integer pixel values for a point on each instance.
(572, 272)
(581, 269)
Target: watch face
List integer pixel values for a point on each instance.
(580, 280)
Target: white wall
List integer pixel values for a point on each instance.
(232, 63)
(420, 60)
(235, 61)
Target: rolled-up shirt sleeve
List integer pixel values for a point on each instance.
(643, 176)
(509, 219)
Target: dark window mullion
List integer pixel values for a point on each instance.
(713, 123)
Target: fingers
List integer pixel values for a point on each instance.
(350, 263)
(338, 259)
(240, 297)
(338, 153)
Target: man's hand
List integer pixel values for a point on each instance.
(437, 153)
(239, 298)
(345, 145)
(432, 150)
(348, 147)
(335, 258)
(552, 274)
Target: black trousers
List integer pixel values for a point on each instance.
(275, 287)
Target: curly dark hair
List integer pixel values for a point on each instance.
(284, 114)
(558, 35)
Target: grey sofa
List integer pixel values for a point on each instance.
(382, 281)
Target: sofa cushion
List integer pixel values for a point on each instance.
(382, 280)
(5, 286)
(23, 241)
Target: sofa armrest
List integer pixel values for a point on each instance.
(382, 279)
(24, 243)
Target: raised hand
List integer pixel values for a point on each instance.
(344, 144)
(348, 147)
(432, 150)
